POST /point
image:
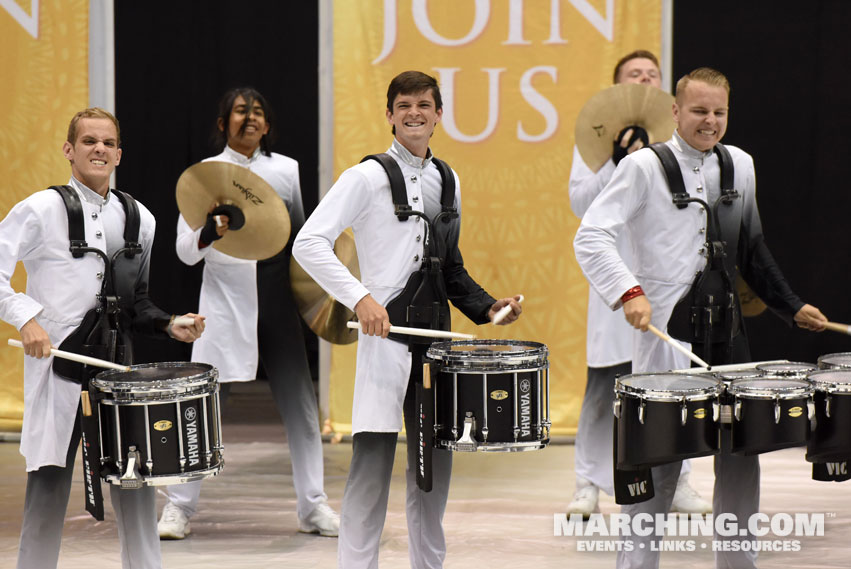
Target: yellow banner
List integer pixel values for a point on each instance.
(45, 81)
(514, 75)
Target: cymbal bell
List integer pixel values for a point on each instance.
(267, 223)
(322, 313)
(613, 109)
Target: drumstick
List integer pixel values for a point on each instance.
(183, 321)
(503, 312)
(677, 346)
(77, 357)
(420, 332)
(835, 327)
(218, 219)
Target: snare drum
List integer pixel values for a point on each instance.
(841, 360)
(769, 413)
(830, 439)
(797, 370)
(159, 423)
(665, 417)
(491, 395)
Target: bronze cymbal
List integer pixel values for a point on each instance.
(752, 305)
(611, 110)
(267, 223)
(323, 314)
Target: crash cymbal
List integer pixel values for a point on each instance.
(611, 110)
(752, 305)
(266, 227)
(324, 315)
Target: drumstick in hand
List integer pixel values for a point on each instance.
(77, 357)
(677, 346)
(835, 327)
(503, 312)
(420, 332)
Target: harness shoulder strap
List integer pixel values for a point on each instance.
(132, 223)
(672, 173)
(397, 184)
(76, 227)
(447, 197)
(725, 161)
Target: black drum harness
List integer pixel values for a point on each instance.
(423, 303)
(103, 333)
(709, 314)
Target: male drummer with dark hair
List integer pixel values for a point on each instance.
(253, 317)
(392, 247)
(609, 338)
(61, 289)
(704, 225)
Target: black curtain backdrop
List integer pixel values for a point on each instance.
(787, 63)
(174, 61)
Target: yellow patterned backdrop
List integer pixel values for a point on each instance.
(44, 70)
(514, 75)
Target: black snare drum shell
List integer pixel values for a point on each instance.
(662, 438)
(756, 431)
(830, 440)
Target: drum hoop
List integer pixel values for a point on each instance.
(159, 389)
(830, 386)
(536, 357)
(671, 395)
(786, 392)
(823, 363)
(801, 369)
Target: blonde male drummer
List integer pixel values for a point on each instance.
(253, 318)
(60, 290)
(668, 233)
(609, 345)
(389, 252)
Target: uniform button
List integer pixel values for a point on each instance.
(416, 199)
(94, 215)
(697, 169)
(416, 258)
(100, 276)
(702, 229)
(700, 188)
(419, 237)
(700, 250)
(98, 234)
(414, 179)
(701, 209)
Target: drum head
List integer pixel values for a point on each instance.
(770, 388)
(831, 380)
(490, 354)
(831, 361)
(668, 386)
(145, 382)
(788, 369)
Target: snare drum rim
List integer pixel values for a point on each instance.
(801, 369)
(536, 358)
(830, 386)
(738, 390)
(823, 364)
(159, 389)
(670, 395)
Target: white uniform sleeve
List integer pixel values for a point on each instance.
(296, 208)
(186, 243)
(20, 235)
(595, 242)
(345, 204)
(586, 185)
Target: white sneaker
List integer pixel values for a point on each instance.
(687, 500)
(584, 500)
(322, 520)
(173, 524)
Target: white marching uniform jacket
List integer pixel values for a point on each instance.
(60, 290)
(609, 337)
(229, 288)
(668, 243)
(388, 252)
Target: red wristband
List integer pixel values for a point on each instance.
(632, 293)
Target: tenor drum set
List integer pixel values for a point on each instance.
(761, 407)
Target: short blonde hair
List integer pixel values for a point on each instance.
(92, 113)
(704, 75)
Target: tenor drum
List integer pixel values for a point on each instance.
(769, 413)
(830, 439)
(159, 423)
(491, 395)
(798, 370)
(665, 417)
(841, 360)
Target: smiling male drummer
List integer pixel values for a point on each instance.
(61, 289)
(391, 247)
(674, 239)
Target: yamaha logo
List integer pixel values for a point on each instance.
(189, 413)
(525, 385)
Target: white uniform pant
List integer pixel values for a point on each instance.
(46, 502)
(593, 447)
(365, 500)
(736, 492)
